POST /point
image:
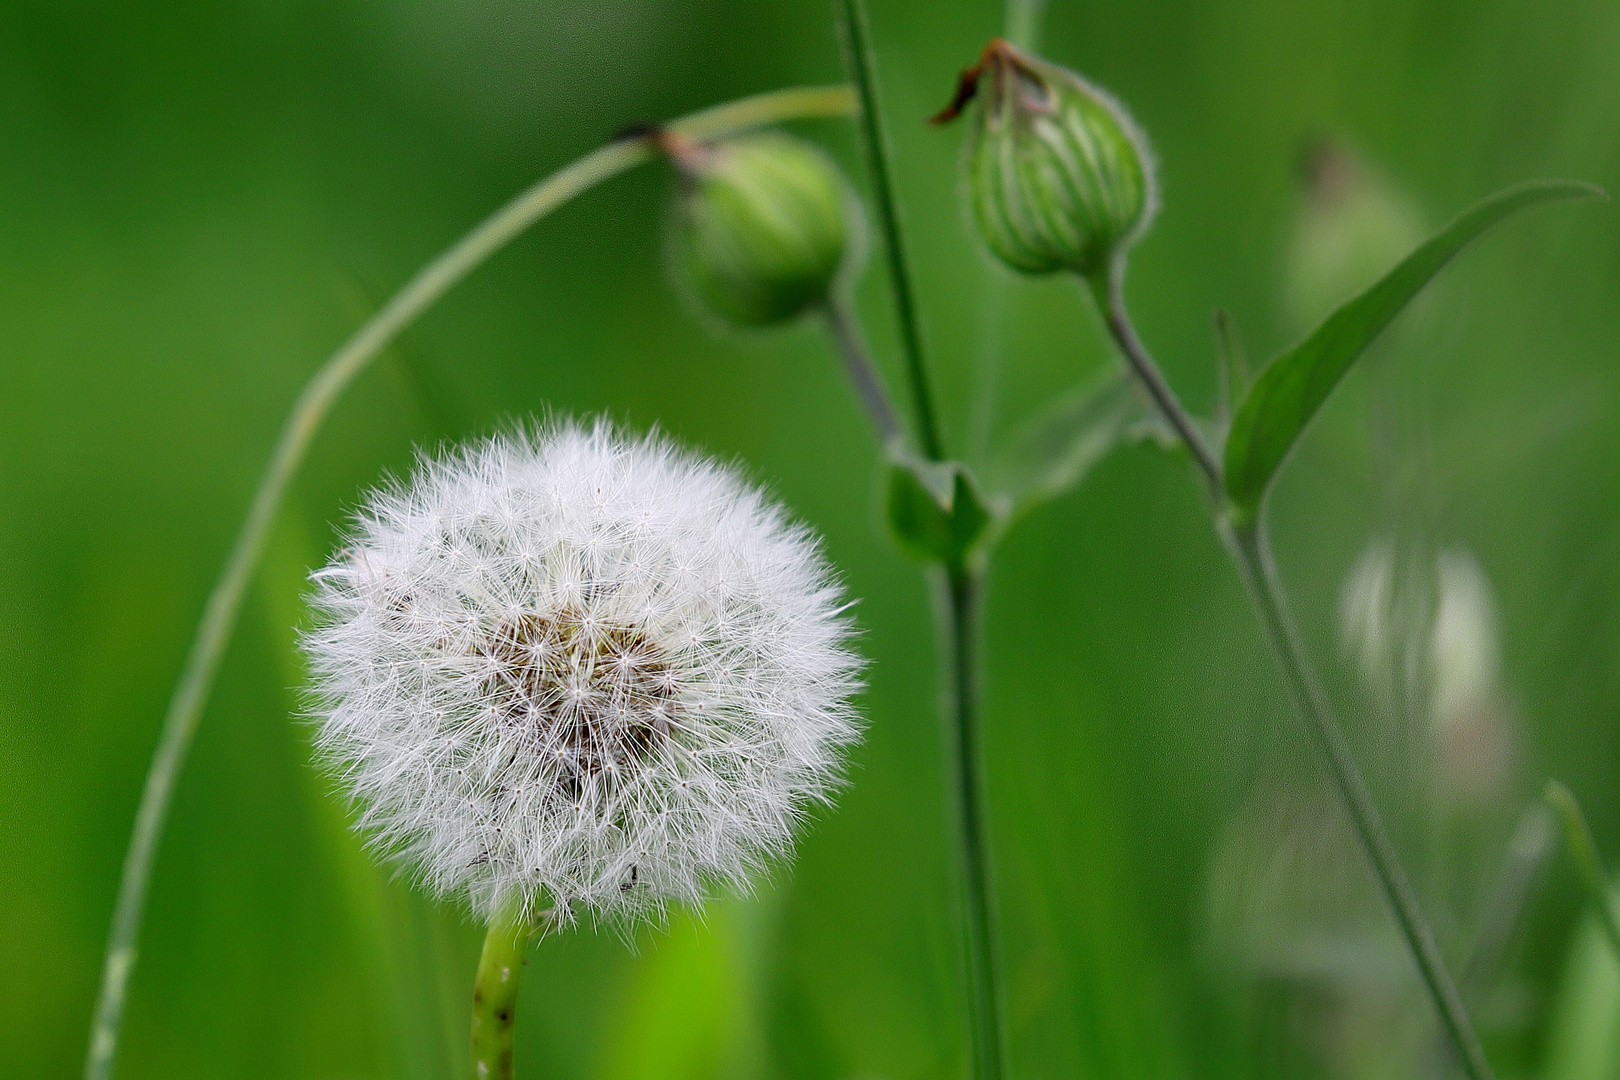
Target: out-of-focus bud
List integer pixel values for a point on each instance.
(1059, 176)
(1352, 226)
(761, 228)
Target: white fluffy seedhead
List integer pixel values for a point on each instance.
(568, 668)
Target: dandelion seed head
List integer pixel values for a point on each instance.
(572, 668)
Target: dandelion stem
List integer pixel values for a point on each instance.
(309, 411)
(964, 586)
(862, 71)
(495, 990)
(1251, 551)
(858, 364)
(1584, 851)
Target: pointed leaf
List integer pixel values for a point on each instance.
(936, 510)
(1054, 449)
(1294, 385)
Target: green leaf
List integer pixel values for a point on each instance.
(1583, 1022)
(1293, 386)
(936, 510)
(1054, 449)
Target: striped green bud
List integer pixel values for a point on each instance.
(761, 227)
(1059, 176)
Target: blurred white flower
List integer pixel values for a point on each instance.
(1423, 631)
(576, 669)
(1473, 724)
(1463, 651)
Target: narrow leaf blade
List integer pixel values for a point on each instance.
(1293, 387)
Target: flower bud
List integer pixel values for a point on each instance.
(761, 227)
(1059, 176)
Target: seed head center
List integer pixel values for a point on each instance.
(595, 696)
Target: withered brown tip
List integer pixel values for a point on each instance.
(967, 83)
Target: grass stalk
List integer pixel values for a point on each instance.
(308, 412)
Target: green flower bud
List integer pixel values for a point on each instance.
(1059, 176)
(761, 227)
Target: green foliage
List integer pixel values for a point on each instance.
(1582, 849)
(1290, 390)
(1584, 1034)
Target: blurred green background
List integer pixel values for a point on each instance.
(198, 201)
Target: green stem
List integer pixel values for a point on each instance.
(858, 366)
(1253, 555)
(495, 990)
(964, 590)
(311, 408)
(962, 583)
(1584, 851)
(1023, 24)
(1251, 551)
(858, 48)
(1109, 291)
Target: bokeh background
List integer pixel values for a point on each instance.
(198, 201)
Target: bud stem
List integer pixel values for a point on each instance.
(495, 990)
(1250, 549)
(1023, 24)
(1109, 291)
(869, 387)
(298, 431)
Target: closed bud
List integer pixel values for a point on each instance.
(1059, 176)
(761, 228)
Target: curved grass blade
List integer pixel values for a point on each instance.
(1293, 386)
